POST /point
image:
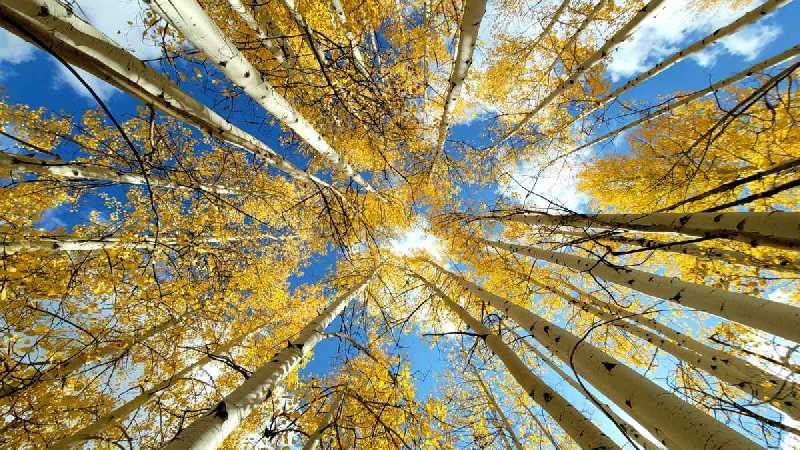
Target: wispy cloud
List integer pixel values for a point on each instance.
(14, 50)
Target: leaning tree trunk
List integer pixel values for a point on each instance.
(48, 24)
(570, 42)
(608, 47)
(777, 318)
(211, 430)
(313, 441)
(708, 253)
(579, 428)
(498, 411)
(778, 229)
(743, 21)
(629, 429)
(688, 98)
(188, 17)
(357, 55)
(666, 416)
(467, 38)
(546, 31)
(120, 413)
(67, 367)
(94, 172)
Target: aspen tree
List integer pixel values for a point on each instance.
(666, 416)
(758, 313)
(313, 441)
(506, 425)
(212, 429)
(188, 17)
(583, 431)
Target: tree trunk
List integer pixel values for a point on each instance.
(498, 411)
(467, 38)
(630, 430)
(359, 58)
(777, 318)
(708, 253)
(121, 412)
(546, 30)
(211, 430)
(82, 45)
(667, 417)
(327, 419)
(778, 229)
(581, 429)
(188, 17)
(570, 42)
(600, 54)
(89, 171)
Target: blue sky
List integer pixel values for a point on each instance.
(31, 76)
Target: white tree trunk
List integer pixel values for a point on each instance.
(777, 229)
(121, 412)
(746, 19)
(581, 429)
(82, 45)
(570, 42)
(188, 17)
(708, 253)
(688, 98)
(342, 17)
(89, 171)
(550, 24)
(268, 42)
(467, 38)
(600, 54)
(506, 425)
(313, 441)
(630, 430)
(663, 414)
(211, 430)
(777, 318)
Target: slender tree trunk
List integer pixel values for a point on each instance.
(746, 19)
(58, 244)
(64, 369)
(777, 229)
(688, 98)
(211, 430)
(546, 31)
(541, 426)
(123, 411)
(359, 58)
(48, 24)
(773, 317)
(262, 34)
(570, 42)
(581, 429)
(467, 38)
(498, 411)
(619, 37)
(89, 171)
(188, 17)
(708, 253)
(630, 430)
(666, 416)
(327, 419)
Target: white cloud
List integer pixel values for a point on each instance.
(558, 183)
(65, 77)
(675, 25)
(417, 240)
(14, 50)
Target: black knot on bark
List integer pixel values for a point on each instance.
(221, 411)
(609, 366)
(548, 396)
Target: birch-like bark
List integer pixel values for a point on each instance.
(664, 415)
(89, 171)
(47, 23)
(313, 441)
(188, 17)
(777, 229)
(630, 430)
(681, 100)
(66, 368)
(575, 34)
(777, 318)
(354, 48)
(467, 38)
(277, 51)
(746, 19)
(121, 412)
(708, 253)
(779, 393)
(546, 30)
(211, 430)
(498, 411)
(601, 53)
(581, 429)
